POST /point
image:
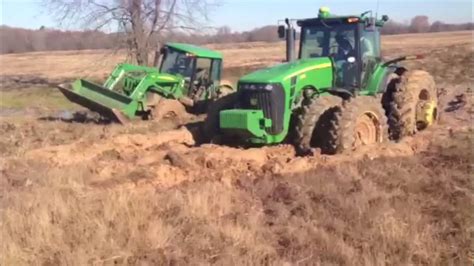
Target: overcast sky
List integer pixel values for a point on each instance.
(247, 14)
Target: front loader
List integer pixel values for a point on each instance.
(337, 95)
(187, 73)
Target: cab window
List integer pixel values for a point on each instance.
(216, 70)
(369, 43)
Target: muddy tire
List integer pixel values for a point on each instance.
(210, 127)
(225, 88)
(158, 107)
(316, 125)
(362, 122)
(153, 100)
(414, 106)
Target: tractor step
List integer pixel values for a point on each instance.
(109, 104)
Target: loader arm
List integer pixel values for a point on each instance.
(120, 103)
(121, 70)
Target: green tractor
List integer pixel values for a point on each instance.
(187, 73)
(337, 95)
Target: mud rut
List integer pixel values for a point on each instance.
(171, 157)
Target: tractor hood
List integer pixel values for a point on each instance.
(283, 72)
(165, 78)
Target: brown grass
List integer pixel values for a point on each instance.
(386, 211)
(98, 64)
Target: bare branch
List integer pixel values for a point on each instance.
(143, 22)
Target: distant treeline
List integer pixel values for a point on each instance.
(17, 40)
(420, 24)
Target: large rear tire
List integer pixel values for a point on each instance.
(414, 106)
(362, 122)
(316, 126)
(211, 126)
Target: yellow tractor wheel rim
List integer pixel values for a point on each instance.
(367, 130)
(427, 113)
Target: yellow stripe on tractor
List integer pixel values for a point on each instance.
(304, 70)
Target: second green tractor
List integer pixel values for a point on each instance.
(187, 73)
(336, 94)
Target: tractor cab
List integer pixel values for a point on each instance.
(351, 42)
(199, 67)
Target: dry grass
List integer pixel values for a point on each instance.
(387, 211)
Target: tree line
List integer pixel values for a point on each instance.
(18, 40)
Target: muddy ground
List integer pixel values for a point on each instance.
(168, 153)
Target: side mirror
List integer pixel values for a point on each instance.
(351, 59)
(370, 24)
(385, 18)
(281, 32)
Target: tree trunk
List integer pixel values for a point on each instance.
(138, 35)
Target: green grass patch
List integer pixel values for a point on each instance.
(34, 97)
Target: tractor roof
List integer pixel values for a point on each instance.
(330, 20)
(325, 17)
(195, 50)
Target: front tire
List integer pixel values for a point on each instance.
(362, 122)
(315, 125)
(211, 125)
(225, 88)
(152, 104)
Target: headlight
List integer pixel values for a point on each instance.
(268, 87)
(259, 87)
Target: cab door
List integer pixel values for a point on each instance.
(370, 53)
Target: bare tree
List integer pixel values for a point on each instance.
(224, 31)
(420, 24)
(143, 22)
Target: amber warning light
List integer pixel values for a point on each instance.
(353, 20)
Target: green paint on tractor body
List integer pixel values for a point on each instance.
(250, 123)
(185, 71)
(196, 50)
(320, 69)
(293, 77)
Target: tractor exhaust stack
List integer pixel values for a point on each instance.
(289, 33)
(290, 41)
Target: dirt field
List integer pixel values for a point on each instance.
(145, 194)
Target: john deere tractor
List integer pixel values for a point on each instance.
(337, 95)
(187, 73)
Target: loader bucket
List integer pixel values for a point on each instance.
(109, 104)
